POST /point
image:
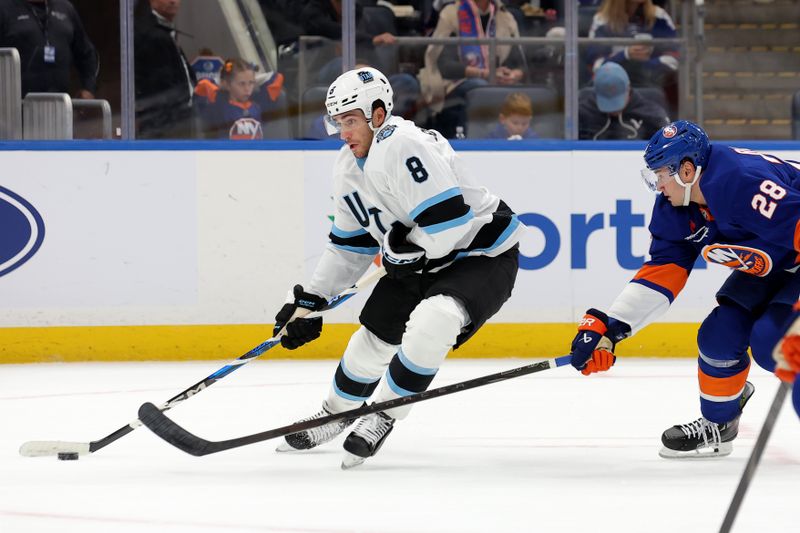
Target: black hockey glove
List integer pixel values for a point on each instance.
(593, 347)
(301, 330)
(400, 257)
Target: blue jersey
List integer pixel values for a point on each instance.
(224, 117)
(751, 224)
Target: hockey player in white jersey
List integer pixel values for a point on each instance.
(450, 250)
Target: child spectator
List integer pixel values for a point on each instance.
(514, 121)
(229, 112)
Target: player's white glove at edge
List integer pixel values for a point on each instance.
(400, 257)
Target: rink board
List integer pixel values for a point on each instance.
(186, 252)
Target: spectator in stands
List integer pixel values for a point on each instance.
(50, 39)
(283, 19)
(164, 81)
(452, 71)
(647, 65)
(229, 112)
(611, 110)
(324, 18)
(514, 121)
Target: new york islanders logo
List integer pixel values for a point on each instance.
(670, 131)
(246, 129)
(743, 258)
(22, 231)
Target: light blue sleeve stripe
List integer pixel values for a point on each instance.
(444, 226)
(346, 234)
(397, 390)
(347, 396)
(414, 368)
(441, 197)
(358, 379)
(364, 251)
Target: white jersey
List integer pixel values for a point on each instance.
(414, 177)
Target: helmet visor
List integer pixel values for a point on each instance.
(331, 126)
(655, 178)
(343, 122)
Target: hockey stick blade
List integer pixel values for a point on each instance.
(42, 448)
(160, 424)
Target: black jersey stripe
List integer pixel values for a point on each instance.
(364, 240)
(487, 237)
(488, 234)
(440, 214)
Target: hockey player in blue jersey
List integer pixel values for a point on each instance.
(731, 206)
(787, 357)
(450, 249)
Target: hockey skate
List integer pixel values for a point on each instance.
(311, 438)
(703, 438)
(366, 439)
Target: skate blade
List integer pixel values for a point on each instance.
(351, 461)
(723, 450)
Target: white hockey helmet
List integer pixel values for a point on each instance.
(357, 89)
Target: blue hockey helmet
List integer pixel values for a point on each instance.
(675, 143)
(668, 148)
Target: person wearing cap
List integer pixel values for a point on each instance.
(612, 110)
(647, 64)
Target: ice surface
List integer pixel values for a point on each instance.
(551, 452)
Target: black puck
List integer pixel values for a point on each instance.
(68, 456)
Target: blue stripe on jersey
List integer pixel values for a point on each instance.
(444, 226)
(442, 196)
(414, 368)
(357, 249)
(347, 234)
(658, 288)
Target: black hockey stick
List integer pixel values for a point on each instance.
(39, 448)
(152, 417)
(755, 457)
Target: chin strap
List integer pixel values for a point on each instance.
(687, 187)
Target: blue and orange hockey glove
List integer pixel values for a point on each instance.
(593, 347)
